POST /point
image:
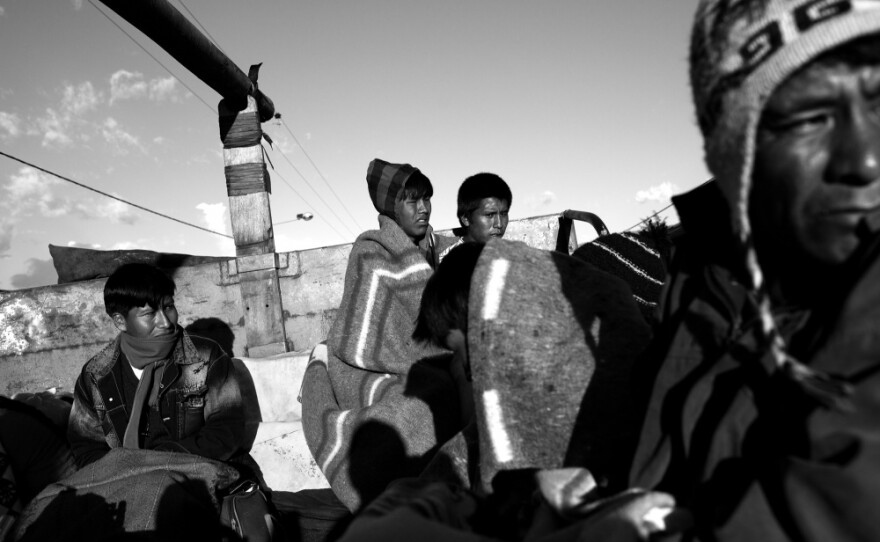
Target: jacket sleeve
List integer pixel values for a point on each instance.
(223, 435)
(84, 431)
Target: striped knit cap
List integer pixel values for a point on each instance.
(629, 258)
(741, 51)
(385, 180)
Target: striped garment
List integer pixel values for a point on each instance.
(632, 259)
(376, 405)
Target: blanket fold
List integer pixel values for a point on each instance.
(378, 406)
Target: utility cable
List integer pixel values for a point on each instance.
(298, 172)
(205, 30)
(144, 49)
(646, 220)
(303, 149)
(111, 196)
(276, 173)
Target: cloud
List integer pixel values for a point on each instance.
(121, 140)
(539, 202)
(39, 273)
(661, 192)
(216, 218)
(77, 244)
(116, 211)
(7, 228)
(163, 89)
(58, 123)
(31, 192)
(10, 123)
(126, 85)
(77, 4)
(80, 99)
(2, 11)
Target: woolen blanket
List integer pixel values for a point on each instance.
(380, 404)
(552, 341)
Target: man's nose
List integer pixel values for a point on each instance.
(422, 207)
(162, 319)
(856, 155)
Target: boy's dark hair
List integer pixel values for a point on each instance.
(478, 187)
(444, 305)
(416, 187)
(135, 285)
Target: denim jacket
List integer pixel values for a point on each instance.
(200, 402)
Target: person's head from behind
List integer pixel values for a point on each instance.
(412, 207)
(792, 128)
(443, 313)
(139, 298)
(484, 202)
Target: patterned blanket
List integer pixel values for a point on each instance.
(377, 405)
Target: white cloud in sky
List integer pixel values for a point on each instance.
(79, 99)
(54, 129)
(2, 11)
(216, 217)
(77, 244)
(30, 191)
(116, 211)
(661, 193)
(127, 85)
(9, 123)
(118, 138)
(7, 228)
(77, 4)
(539, 202)
(39, 273)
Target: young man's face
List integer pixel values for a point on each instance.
(413, 215)
(488, 220)
(144, 322)
(817, 165)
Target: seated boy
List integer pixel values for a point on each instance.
(154, 386)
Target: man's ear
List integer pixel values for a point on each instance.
(464, 221)
(119, 321)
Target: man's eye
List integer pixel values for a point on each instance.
(800, 124)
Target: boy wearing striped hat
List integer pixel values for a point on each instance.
(763, 420)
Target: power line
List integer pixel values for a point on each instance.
(303, 149)
(274, 171)
(153, 57)
(298, 172)
(111, 196)
(645, 220)
(205, 30)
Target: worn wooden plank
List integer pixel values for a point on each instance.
(264, 321)
(251, 223)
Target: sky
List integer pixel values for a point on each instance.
(577, 104)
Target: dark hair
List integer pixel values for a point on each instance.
(478, 187)
(135, 285)
(444, 305)
(416, 186)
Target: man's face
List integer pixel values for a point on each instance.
(488, 220)
(143, 322)
(413, 215)
(817, 165)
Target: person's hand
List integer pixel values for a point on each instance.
(629, 516)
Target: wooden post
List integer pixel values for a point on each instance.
(248, 188)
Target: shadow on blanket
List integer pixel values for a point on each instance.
(132, 495)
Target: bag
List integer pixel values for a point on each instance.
(246, 512)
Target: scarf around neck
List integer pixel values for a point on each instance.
(142, 351)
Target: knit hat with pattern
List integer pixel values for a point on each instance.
(741, 51)
(385, 180)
